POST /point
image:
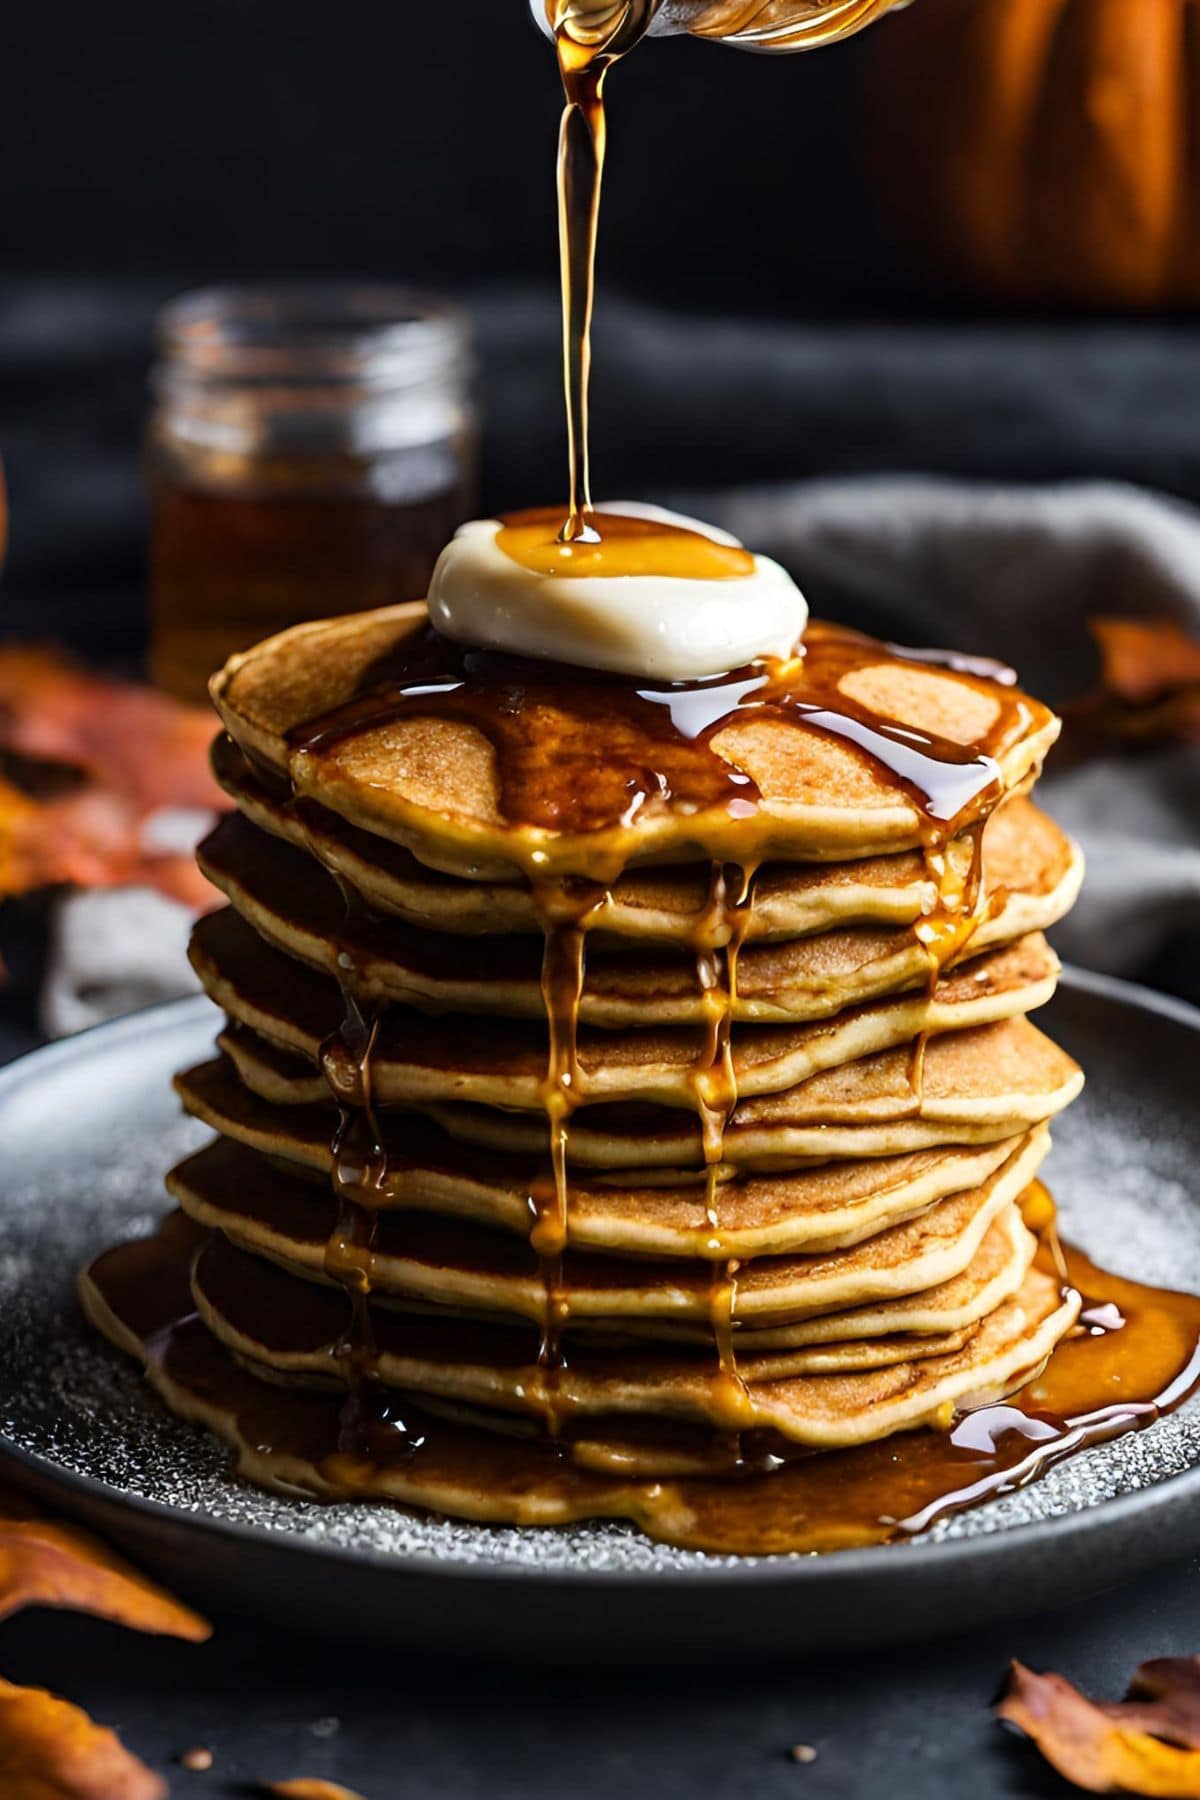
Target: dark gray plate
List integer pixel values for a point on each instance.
(87, 1128)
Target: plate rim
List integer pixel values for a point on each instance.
(838, 1567)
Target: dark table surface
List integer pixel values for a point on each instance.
(911, 1722)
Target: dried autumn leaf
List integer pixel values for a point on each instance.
(1143, 660)
(1144, 1745)
(1149, 688)
(43, 1563)
(90, 768)
(88, 839)
(1164, 1699)
(51, 1750)
(309, 1789)
(123, 735)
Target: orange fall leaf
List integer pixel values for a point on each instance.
(1147, 1744)
(309, 1789)
(51, 1750)
(44, 1563)
(1146, 659)
(125, 752)
(125, 735)
(1149, 688)
(88, 839)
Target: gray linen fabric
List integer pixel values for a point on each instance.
(1016, 573)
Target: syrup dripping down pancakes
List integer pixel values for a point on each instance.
(627, 1103)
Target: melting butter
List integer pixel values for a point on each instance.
(642, 592)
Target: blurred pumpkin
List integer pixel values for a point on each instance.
(1045, 150)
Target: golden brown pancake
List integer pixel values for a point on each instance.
(993, 1274)
(431, 785)
(1025, 857)
(422, 1061)
(264, 1209)
(292, 903)
(293, 1332)
(825, 1207)
(819, 1410)
(976, 1087)
(1020, 1077)
(296, 1328)
(296, 1331)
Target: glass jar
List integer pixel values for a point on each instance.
(749, 24)
(310, 451)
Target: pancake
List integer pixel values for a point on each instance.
(1025, 857)
(294, 1334)
(976, 1087)
(994, 1273)
(203, 1382)
(433, 784)
(1020, 1077)
(261, 1208)
(417, 1060)
(827, 1207)
(292, 903)
(834, 1412)
(297, 1332)
(950, 1308)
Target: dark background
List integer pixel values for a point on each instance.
(213, 138)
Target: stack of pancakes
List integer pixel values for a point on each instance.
(755, 1175)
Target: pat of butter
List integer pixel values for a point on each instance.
(657, 595)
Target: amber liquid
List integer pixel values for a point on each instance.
(777, 25)
(236, 560)
(780, 24)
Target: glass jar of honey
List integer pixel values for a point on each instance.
(747, 24)
(310, 451)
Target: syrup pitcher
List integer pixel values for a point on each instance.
(614, 26)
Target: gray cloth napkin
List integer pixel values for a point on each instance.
(1016, 573)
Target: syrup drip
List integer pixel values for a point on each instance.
(582, 144)
(566, 910)
(960, 907)
(349, 1252)
(359, 1177)
(717, 941)
(630, 545)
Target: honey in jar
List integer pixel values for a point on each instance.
(310, 451)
